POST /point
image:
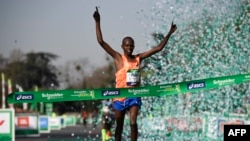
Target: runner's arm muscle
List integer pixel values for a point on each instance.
(160, 46)
(100, 40)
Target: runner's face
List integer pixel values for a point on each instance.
(128, 46)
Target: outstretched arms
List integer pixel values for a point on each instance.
(160, 46)
(100, 40)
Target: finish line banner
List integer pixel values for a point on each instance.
(108, 93)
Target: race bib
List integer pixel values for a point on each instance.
(133, 77)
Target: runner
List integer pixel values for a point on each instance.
(107, 122)
(127, 76)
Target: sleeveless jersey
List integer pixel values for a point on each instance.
(128, 75)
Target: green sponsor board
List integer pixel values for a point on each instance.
(48, 108)
(108, 93)
(70, 121)
(7, 125)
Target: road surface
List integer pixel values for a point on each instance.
(73, 133)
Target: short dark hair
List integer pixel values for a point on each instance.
(127, 38)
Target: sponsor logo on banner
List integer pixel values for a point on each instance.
(169, 88)
(24, 97)
(195, 85)
(1, 122)
(247, 76)
(44, 122)
(84, 94)
(178, 88)
(52, 96)
(110, 92)
(23, 121)
(139, 91)
(224, 82)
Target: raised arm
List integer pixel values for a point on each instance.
(100, 40)
(160, 46)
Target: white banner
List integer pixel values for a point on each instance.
(26, 122)
(7, 129)
(55, 123)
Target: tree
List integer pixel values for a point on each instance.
(80, 75)
(3, 61)
(102, 77)
(35, 69)
(73, 73)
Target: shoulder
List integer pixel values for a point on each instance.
(118, 55)
(138, 56)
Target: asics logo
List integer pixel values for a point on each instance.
(24, 97)
(196, 85)
(110, 92)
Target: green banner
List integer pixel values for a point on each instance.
(108, 93)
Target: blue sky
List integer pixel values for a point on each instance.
(67, 28)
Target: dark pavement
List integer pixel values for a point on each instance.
(72, 133)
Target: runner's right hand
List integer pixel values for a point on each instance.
(96, 15)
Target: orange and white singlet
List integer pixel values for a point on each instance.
(128, 75)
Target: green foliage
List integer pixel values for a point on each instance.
(35, 70)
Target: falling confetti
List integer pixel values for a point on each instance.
(212, 40)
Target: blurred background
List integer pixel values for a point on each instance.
(51, 45)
